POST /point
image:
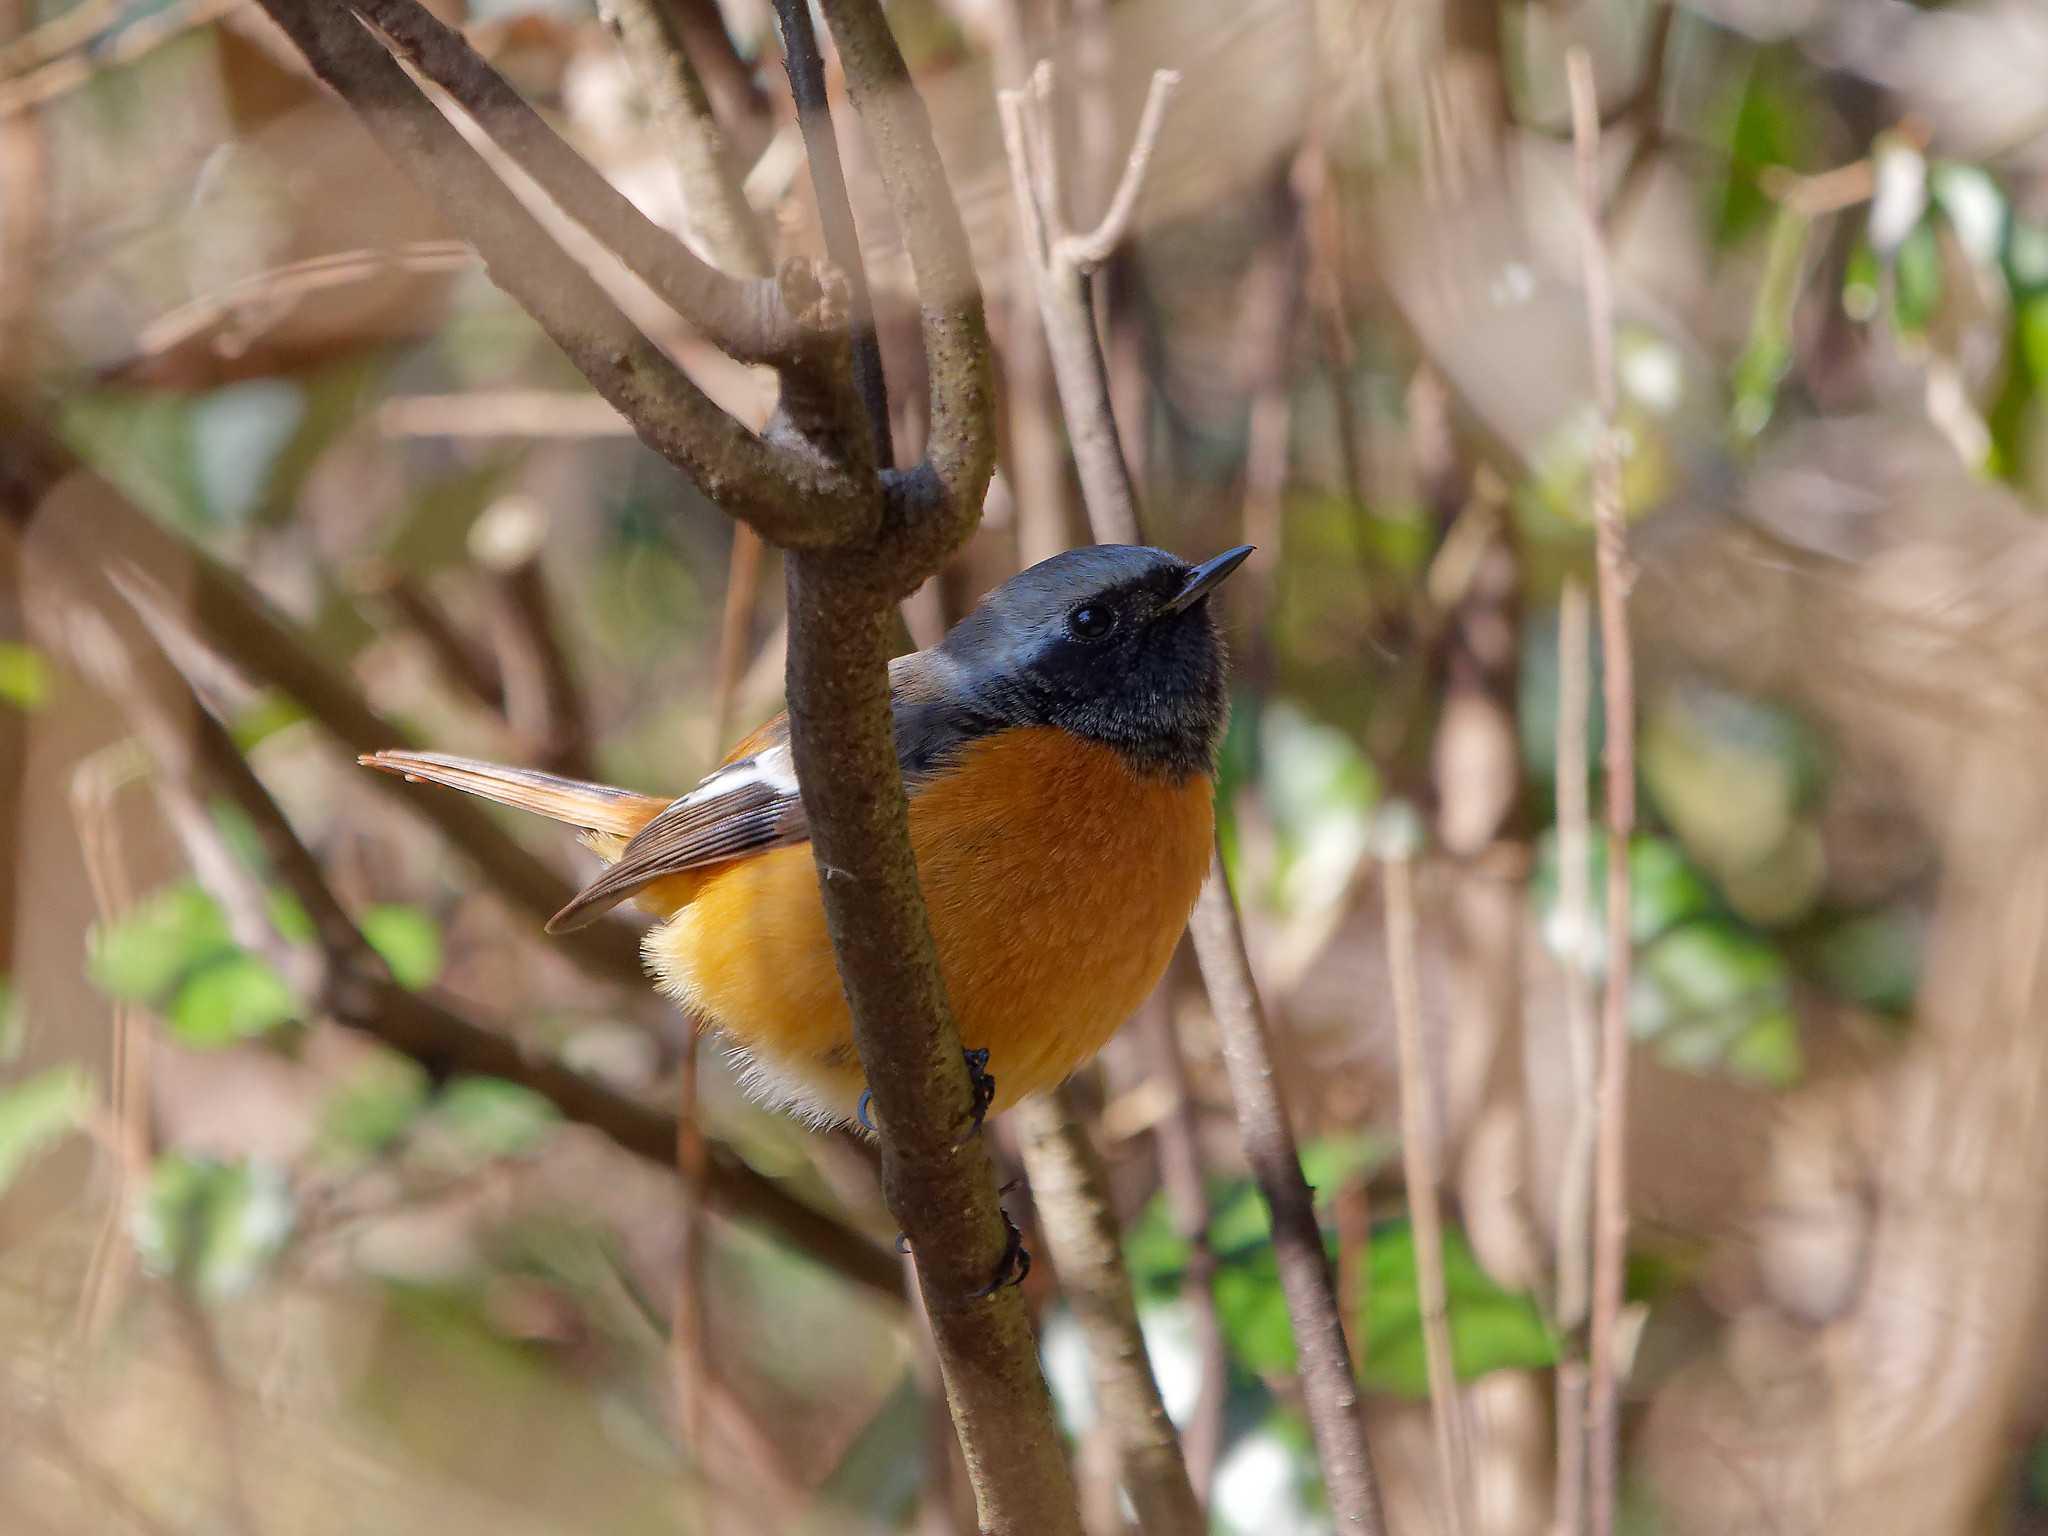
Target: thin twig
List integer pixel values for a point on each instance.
(144, 36)
(1610, 1215)
(1091, 250)
(1329, 1393)
(806, 69)
(1419, 1170)
(228, 617)
(719, 222)
(1187, 1198)
(1071, 1191)
(935, 505)
(1575, 922)
(735, 625)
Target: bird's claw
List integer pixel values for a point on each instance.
(983, 1084)
(1015, 1263)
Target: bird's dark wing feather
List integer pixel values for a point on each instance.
(751, 803)
(748, 805)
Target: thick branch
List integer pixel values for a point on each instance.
(1071, 1191)
(791, 497)
(937, 1176)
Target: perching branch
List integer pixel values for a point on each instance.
(794, 498)
(351, 981)
(1071, 1191)
(1610, 1209)
(938, 1178)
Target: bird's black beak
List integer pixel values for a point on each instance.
(1203, 577)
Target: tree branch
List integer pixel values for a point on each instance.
(806, 71)
(1328, 1390)
(721, 225)
(1071, 1191)
(938, 1177)
(751, 320)
(933, 507)
(792, 497)
(228, 617)
(352, 983)
(1610, 1209)
(1419, 1135)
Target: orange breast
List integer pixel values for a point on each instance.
(1058, 882)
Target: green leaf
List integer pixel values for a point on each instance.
(1870, 958)
(375, 1106)
(1252, 1309)
(408, 939)
(1918, 279)
(489, 1117)
(1491, 1329)
(236, 997)
(213, 1227)
(25, 677)
(168, 934)
(1712, 996)
(270, 712)
(1665, 889)
(288, 915)
(37, 1112)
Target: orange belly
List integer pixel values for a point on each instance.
(1058, 883)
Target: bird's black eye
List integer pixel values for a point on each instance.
(1091, 621)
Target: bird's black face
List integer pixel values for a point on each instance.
(1113, 642)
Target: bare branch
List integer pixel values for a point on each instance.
(1187, 1199)
(1328, 1391)
(934, 506)
(722, 226)
(1071, 1192)
(1575, 1177)
(793, 498)
(1610, 1215)
(1091, 250)
(748, 319)
(1424, 1179)
(806, 71)
(75, 531)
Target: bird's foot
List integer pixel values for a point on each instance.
(983, 1083)
(1015, 1263)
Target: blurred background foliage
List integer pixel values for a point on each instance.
(259, 1274)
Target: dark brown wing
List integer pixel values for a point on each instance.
(748, 805)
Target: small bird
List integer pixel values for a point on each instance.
(1059, 750)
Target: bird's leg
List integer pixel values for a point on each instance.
(1015, 1263)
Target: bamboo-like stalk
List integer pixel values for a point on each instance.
(1610, 1209)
